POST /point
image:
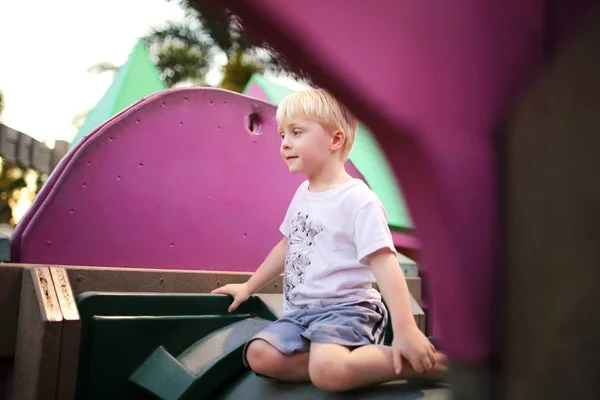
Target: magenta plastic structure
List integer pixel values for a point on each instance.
(432, 82)
(184, 179)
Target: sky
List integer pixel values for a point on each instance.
(47, 46)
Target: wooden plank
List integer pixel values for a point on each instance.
(415, 287)
(41, 157)
(85, 279)
(10, 293)
(175, 281)
(273, 300)
(8, 143)
(419, 314)
(61, 148)
(408, 265)
(37, 351)
(70, 338)
(24, 150)
(4, 248)
(24, 144)
(414, 284)
(110, 279)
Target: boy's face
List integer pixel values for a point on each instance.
(305, 146)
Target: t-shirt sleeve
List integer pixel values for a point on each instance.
(286, 225)
(371, 231)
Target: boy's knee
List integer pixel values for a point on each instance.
(331, 375)
(263, 358)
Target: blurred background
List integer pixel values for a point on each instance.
(68, 65)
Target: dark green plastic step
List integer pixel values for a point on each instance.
(251, 386)
(120, 330)
(120, 344)
(136, 304)
(200, 370)
(163, 376)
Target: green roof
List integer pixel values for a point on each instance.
(367, 156)
(274, 91)
(135, 79)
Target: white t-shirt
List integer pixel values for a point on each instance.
(330, 234)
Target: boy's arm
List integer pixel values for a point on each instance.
(374, 244)
(393, 287)
(409, 342)
(270, 268)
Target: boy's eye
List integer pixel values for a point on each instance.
(296, 133)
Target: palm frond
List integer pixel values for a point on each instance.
(102, 67)
(182, 64)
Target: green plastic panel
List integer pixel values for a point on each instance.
(119, 345)
(162, 375)
(159, 304)
(369, 158)
(119, 331)
(211, 363)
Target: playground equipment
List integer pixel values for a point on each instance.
(213, 205)
(444, 127)
(125, 314)
(481, 107)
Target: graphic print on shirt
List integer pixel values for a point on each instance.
(299, 253)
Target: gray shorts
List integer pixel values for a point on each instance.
(350, 325)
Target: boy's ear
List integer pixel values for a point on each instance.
(339, 138)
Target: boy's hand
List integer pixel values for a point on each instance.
(411, 344)
(239, 292)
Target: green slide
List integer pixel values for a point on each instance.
(187, 346)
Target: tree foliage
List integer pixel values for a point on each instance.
(13, 178)
(226, 32)
(180, 53)
(185, 52)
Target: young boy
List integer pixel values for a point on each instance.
(335, 244)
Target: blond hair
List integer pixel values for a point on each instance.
(320, 106)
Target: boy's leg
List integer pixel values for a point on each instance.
(279, 351)
(334, 367)
(334, 330)
(264, 359)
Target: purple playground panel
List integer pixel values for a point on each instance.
(49, 185)
(181, 180)
(431, 83)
